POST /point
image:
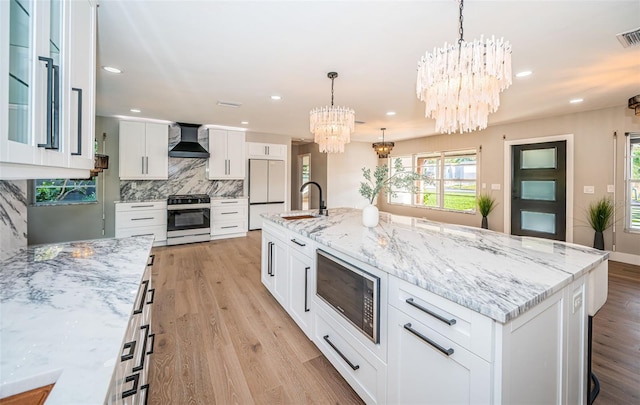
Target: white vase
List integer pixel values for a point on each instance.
(370, 216)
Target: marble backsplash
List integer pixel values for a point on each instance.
(13, 217)
(186, 176)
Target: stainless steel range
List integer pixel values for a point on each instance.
(188, 218)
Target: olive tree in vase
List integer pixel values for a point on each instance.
(486, 204)
(382, 181)
(599, 215)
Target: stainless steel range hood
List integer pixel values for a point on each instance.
(188, 147)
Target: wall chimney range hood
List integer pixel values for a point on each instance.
(188, 146)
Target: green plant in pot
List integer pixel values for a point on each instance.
(381, 181)
(486, 204)
(600, 215)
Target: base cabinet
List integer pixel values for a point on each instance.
(229, 218)
(274, 271)
(142, 219)
(421, 373)
(302, 281)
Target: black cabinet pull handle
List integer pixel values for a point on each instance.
(153, 343)
(228, 213)
(228, 202)
(79, 150)
(144, 348)
(152, 291)
(271, 273)
(143, 234)
(298, 243)
(353, 367)
(153, 259)
(56, 107)
(146, 393)
(306, 292)
(132, 348)
(433, 314)
(141, 219)
(229, 227)
(145, 285)
(142, 206)
(49, 65)
(447, 352)
(135, 378)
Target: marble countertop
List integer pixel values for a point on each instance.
(498, 275)
(64, 309)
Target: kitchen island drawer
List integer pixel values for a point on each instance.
(463, 326)
(301, 244)
(365, 373)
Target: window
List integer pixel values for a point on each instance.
(64, 191)
(633, 183)
(452, 185)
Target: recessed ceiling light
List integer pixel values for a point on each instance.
(576, 100)
(134, 110)
(112, 69)
(244, 122)
(524, 73)
(274, 97)
(391, 113)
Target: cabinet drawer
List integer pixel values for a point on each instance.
(301, 244)
(364, 373)
(136, 219)
(141, 206)
(228, 227)
(226, 213)
(463, 326)
(229, 202)
(158, 231)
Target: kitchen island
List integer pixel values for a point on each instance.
(64, 310)
(519, 307)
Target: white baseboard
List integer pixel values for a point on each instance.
(625, 258)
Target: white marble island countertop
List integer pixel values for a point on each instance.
(64, 309)
(497, 275)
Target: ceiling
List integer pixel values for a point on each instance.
(179, 58)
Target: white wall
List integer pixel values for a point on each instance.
(344, 174)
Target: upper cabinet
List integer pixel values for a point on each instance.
(267, 150)
(144, 151)
(226, 154)
(47, 85)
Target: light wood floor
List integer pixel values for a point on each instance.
(221, 338)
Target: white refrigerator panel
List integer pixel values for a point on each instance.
(255, 220)
(258, 181)
(276, 190)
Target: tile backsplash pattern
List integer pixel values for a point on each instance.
(186, 176)
(13, 217)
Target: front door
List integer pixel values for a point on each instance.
(539, 190)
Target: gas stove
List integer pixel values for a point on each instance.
(178, 199)
(188, 218)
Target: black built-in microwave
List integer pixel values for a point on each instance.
(351, 291)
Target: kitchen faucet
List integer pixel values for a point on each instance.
(323, 209)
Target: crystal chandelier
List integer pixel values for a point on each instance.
(383, 148)
(332, 126)
(461, 83)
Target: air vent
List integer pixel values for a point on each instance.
(232, 104)
(360, 122)
(629, 38)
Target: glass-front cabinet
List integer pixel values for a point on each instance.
(47, 85)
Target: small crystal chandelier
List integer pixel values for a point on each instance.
(461, 83)
(332, 126)
(383, 148)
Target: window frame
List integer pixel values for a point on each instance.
(440, 179)
(632, 139)
(55, 203)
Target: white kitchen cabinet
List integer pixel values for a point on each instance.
(144, 151)
(47, 59)
(258, 150)
(422, 373)
(229, 218)
(274, 269)
(142, 218)
(302, 281)
(226, 155)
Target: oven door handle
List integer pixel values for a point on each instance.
(182, 207)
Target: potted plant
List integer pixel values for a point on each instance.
(599, 215)
(382, 182)
(486, 204)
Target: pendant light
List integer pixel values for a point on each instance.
(383, 148)
(332, 126)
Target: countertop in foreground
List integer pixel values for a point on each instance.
(498, 275)
(64, 309)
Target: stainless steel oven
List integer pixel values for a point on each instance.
(188, 218)
(351, 291)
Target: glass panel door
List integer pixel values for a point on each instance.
(20, 65)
